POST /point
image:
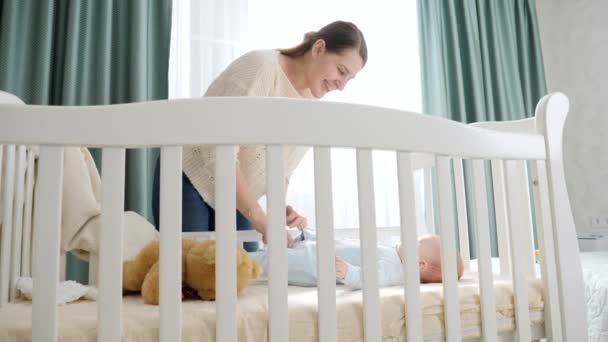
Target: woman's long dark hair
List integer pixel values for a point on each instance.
(338, 36)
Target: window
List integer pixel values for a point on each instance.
(209, 34)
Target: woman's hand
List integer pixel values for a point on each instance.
(289, 238)
(293, 219)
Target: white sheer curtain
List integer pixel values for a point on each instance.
(206, 35)
(209, 34)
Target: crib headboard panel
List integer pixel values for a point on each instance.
(517, 152)
(551, 118)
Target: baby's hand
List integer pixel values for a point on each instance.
(340, 268)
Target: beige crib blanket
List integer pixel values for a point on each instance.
(140, 322)
(81, 208)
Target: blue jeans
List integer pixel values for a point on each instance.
(197, 215)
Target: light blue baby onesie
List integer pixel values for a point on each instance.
(302, 262)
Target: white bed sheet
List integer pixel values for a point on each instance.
(77, 321)
(595, 274)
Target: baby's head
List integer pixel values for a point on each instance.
(429, 259)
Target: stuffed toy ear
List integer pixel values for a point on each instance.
(208, 246)
(242, 258)
(256, 270)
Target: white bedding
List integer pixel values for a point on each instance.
(595, 273)
(77, 321)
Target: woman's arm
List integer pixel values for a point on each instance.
(248, 205)
(293, 218)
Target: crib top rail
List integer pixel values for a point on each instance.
(271, 121)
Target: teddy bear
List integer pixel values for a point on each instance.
(198, 269)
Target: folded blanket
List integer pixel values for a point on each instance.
(81, 209)
(67, 291)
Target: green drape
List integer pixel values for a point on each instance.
(481, 61)
(89, 52)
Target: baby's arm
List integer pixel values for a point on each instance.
(389, 274)
(348, 274)
(301, 266)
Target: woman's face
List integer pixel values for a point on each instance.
(330, 71)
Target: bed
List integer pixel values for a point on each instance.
(528, 307)
(595, 275)
(140, 321)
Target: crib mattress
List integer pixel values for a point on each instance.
(77, 321)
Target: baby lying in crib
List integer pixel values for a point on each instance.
(302, 261)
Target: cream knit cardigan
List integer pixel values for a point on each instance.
(257, 73)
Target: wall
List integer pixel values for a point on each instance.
(574, 38)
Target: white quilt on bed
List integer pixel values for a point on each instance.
(78, 321)
(595, 273)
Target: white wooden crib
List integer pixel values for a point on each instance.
(532, 146)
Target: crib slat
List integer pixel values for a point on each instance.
(93, 269)
(425, 163)
(7, 224)
(486, 283)
(109, 310)
(277, 248)
(26, 263)
(225, 219)
(527, 228)
(409, 222)
(514, 185)
(500, 205)
(326, 294)
(1, 183)
(461, 206)
(448, 250)
(369, 253)
(170, 218)
(47, 225)
(17, 220)
(63, 261)
(547, 252)
(429, 208)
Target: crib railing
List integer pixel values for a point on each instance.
(17, 174)
(16, 208)
(543, 203)
(445, 144)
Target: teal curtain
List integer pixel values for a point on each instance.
(480, 61)
(89, 52)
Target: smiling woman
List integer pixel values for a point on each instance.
(208, 35)
(326, 60)
(390, 78)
